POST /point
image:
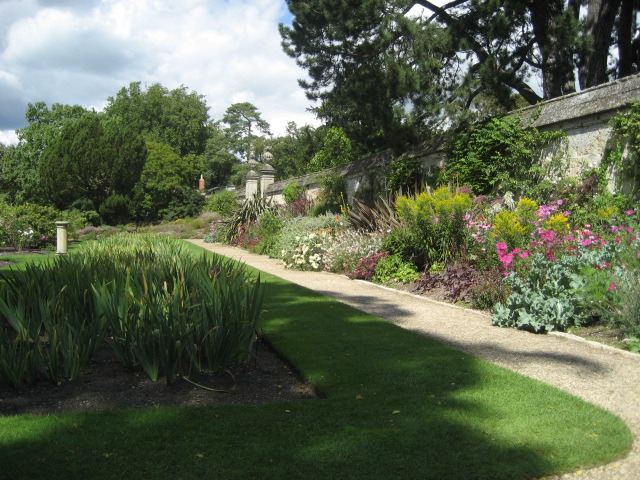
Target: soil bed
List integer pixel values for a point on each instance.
(107, 384)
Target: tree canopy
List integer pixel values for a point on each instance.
(178, 118)
(91, 159)
(387, 70)
(244, 121)
(21, 176)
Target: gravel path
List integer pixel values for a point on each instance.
(598, 374)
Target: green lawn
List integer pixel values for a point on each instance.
(395, 405)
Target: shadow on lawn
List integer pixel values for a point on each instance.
(397, 405)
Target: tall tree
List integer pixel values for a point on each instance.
(293, 151)
(244, 122)
(92, 158)
(21, 176)
(218, 158)
(335, 150)
(176, 117)
(386, 70)
(166, 177)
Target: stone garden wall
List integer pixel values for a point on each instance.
(583, 116)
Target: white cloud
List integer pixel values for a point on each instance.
(81, 52)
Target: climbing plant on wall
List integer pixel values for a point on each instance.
(503, 155)
(625, 139)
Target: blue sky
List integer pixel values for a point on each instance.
(83, 51)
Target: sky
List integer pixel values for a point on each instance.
(84, 51)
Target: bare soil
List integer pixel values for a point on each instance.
(107, 384)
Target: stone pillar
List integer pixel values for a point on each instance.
(251, 190)
(61, 236)
(201, 184)
(268, 175)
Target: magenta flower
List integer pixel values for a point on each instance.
(629, 212)
(524, 254)
(586, 242)
(612, 287)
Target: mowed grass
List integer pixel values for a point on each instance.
(394, 405)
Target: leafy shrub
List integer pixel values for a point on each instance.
(552, 295)
(489, 290)
(247, 236)
(87, 210)
(292, 192)
(28, 225)
(346, 249)
(300, 207)
(217, 231)
(116, 210)
(224, 203)
(405, 174)
(268, 228)
(458, 281)
(297, 227)
(366, 267)
(392, 269)
(334, 192)
(307, 254)
(404, 242)
(501, 155)
(436, 221)
(187, 203)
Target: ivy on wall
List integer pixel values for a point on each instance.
(503, 155)
(625, 139)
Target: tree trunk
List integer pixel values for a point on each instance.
(601, 16)
(556, 50)
(626, 27)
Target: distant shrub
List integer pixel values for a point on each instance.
(224, 202)
(28, 225)
(292, 192)
(116, 210)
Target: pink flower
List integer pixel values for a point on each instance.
(606, 265)
(612, 287)
(501, 247)
(560, 202)
(586, 242)
(629, 229)
(524, 254)
(618, 239)
(629, 212)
